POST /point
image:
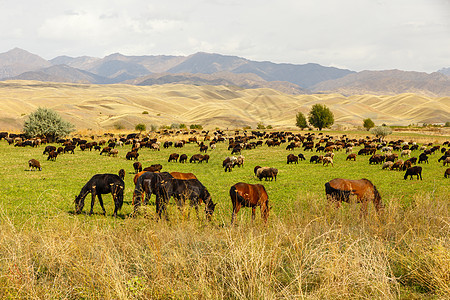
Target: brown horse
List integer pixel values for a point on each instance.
(338, 190)
(249, 195)
(184, 176)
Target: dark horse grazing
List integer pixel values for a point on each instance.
(249, 195)
(338, 190)
(101, 184)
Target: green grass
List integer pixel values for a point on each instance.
(306, 250)
(53, 189)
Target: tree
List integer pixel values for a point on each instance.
(301, 120)
(46, 123)
(140, 127)
(320, 116)
(368, 124)
(381, 131)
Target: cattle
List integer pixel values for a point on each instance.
(249, 195)
(101, 184)
(34, 164)
(416, 170)
(173, 156)
(291, 158)
(137, 167)
(267, 173)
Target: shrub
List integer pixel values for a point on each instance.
(140, 127)
(381, 131)
(260, 126)
(145, 112)
(46, 123)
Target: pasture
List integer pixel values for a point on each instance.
(307, 249)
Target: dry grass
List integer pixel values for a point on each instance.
(314, 252)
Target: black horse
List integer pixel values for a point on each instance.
(101, 184)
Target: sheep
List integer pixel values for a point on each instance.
(406, 153)
(34, 164)
(328, 160)
(416, 170)
(387, 165)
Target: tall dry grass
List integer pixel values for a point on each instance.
(314, 252)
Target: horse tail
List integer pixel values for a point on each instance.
(235, 196)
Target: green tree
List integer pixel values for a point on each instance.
(381, 131)
(140, 127)
(45, 122)
(301, 120)
(368, 124)
(260, 126)
(320, 116)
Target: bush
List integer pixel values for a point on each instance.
(140, 127)
(145, 112)
(381, 131)
(260, 126)
(196, 126)
(46, 123)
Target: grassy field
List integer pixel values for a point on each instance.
(306, 250)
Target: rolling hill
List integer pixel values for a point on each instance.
(108, 106)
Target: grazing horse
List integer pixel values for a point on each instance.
(339, 189)
(249, 195)
(184, 176)
(101, 184)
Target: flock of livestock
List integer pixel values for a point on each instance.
(185, 187)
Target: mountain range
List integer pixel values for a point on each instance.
(216, 69)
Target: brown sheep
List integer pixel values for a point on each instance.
(34, 164)
(447, 173)
(328, 160)
(351, 156)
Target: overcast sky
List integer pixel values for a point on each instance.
(412, 35)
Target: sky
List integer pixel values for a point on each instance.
(410, 35)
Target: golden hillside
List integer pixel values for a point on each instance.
(103, 106)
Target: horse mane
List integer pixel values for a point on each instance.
(339, 195)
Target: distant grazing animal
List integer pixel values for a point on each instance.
(34, 164)
(291, 158)
(413, 160)
(205, 158)
(267, 173)
(339, 189)
(196, 158)
(173, 156)
(447, 173)
(101, 184)
(416, 170)
(387, 165)
(183, 158)
(301, 157)
(69, 148)
(105, 150)
(447, 161)
(239, 161)
(316, 159)
(49, 149)
(228, 166)
(52, 155)
(113, 152)
(255, 169)
(423, 158)
(351, 156)
(397, 165)
(328, 160)
(406, 153)
(137, 167)
(249, 195)
(132, 155)
(406, 165)
(122, 174)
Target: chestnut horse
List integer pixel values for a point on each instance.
(184, 176)
(249, 195)
(339, 189)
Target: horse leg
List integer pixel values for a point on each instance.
(100, 199)
(93, 192)
(253, 213)
(363, 211)
(234, 213)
